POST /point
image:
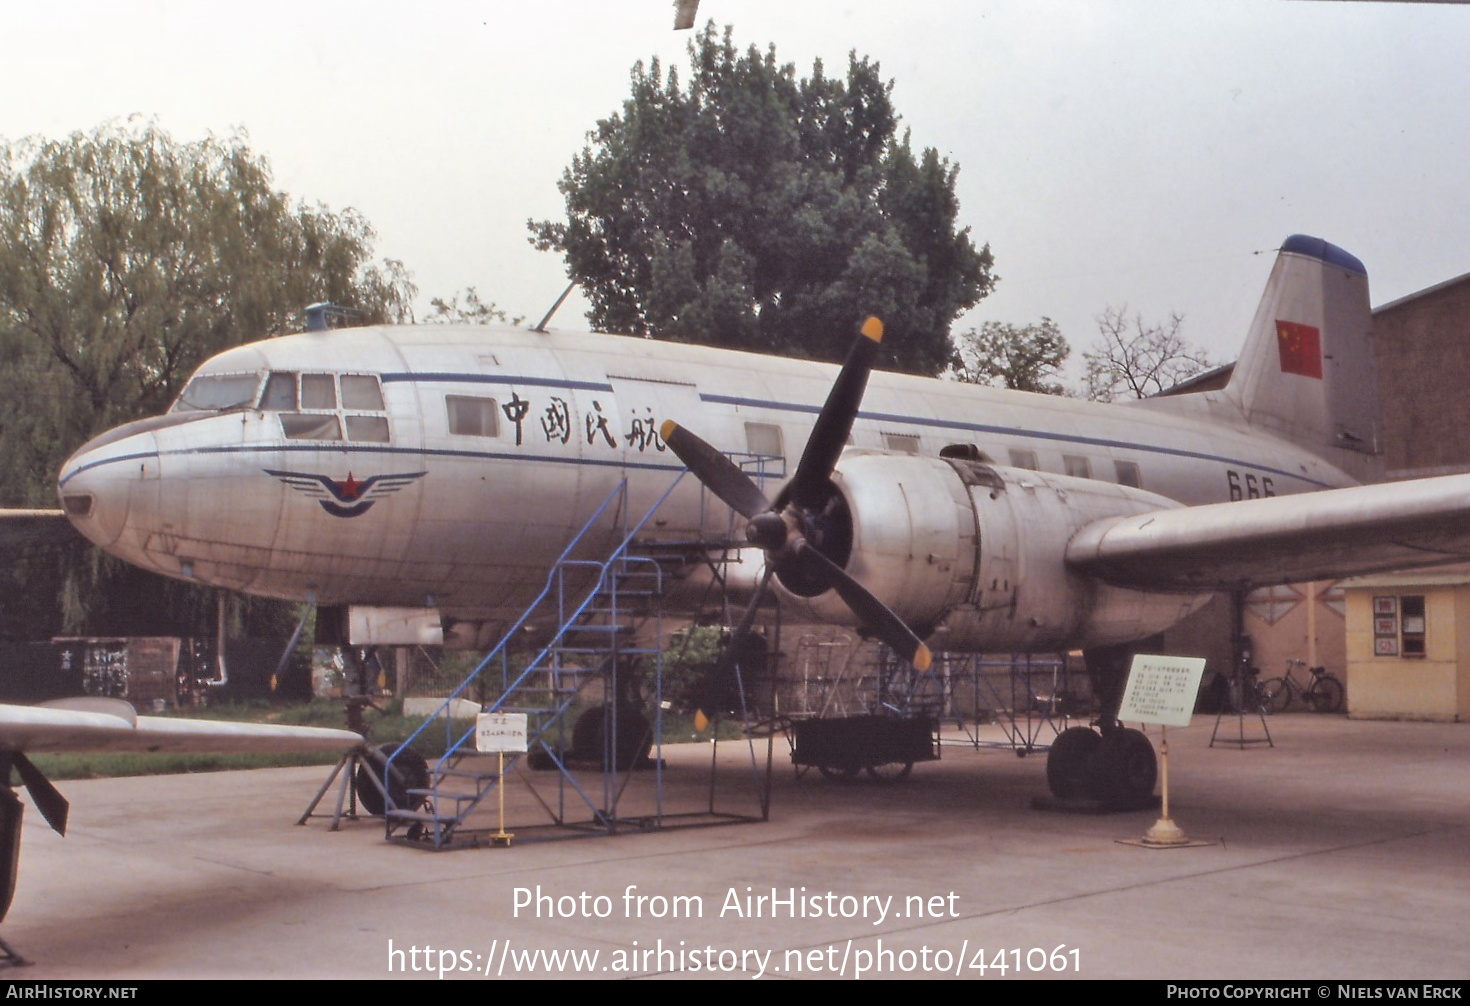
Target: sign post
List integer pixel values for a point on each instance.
(1162, 690)
(501, 733)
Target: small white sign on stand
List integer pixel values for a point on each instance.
(1162, 690)
(501, 734)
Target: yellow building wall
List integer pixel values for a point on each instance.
(1432, 687)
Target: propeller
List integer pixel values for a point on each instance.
(48, 799)
(807, 532)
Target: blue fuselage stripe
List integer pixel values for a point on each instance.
(798, 408)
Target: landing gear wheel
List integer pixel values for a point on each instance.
(1124, 771)
(1068, 764)
(635, 737)
(410, 771)
(1326, 695)
(1276, 695)
(891, 772)
(843, 773)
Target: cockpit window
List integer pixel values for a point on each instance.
(360, 392)
(318, 391)
(311, 409)
(280, 393)
(310, 427)
(215, 392)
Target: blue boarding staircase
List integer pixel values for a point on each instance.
(600, 607)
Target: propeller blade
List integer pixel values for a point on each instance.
(48, 798)
(834, 423)
(726, 665)
(718, 473)
(872, 612)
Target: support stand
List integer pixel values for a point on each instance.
(346, 806)
(1243, 696)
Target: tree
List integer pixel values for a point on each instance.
(1027, 358)
(473, 311)
(758, 210)
(126, 259)
(1134, 359)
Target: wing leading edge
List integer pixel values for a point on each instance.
(1284, 539)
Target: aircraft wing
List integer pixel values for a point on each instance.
(29, 527)
(1283, 539)
(112, 725)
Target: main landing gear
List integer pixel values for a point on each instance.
(1113, 767)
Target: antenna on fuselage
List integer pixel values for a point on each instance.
(317, 315)
(540, 326)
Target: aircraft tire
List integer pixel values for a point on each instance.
(411, 771)
(1069, 763)
(840, 773)
(635, 737)
(1124, 770)
(891, 772)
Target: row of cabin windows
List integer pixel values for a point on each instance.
(480, 417)
(1126, 473)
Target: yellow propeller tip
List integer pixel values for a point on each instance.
(668, 428)
(873, 328)
(922, 658)
(701, 721)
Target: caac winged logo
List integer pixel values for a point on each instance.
(351, 498)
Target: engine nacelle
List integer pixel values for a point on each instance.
(972, 555)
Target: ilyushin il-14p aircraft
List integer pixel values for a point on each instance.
(444, 468)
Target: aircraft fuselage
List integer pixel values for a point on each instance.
(446, 466)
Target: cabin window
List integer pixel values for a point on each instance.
(473, 417)
(1024, 459)
(1077, 467)
(764, 440)
(1128, 474)
(361, 392)
(903, 443)
(299, 426)
(215, 392)
(280, 393)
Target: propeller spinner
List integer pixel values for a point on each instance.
(805, 533)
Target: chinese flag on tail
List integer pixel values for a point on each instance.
(1301, 349)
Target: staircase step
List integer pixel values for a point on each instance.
(421, 816)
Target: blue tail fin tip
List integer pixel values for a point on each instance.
(1325, 251)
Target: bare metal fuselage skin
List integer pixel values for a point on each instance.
(413, 514)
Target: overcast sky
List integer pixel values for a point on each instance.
(1144, 153)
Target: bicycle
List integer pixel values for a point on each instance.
(1325, 694)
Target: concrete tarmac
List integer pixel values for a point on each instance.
(1340, 853)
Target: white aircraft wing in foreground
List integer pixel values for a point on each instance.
(97, 724)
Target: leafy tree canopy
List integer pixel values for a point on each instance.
(752, 208)
(1022, 358)
(126, 259)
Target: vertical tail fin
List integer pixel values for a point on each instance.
(1306, 373)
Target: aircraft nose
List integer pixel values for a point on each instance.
(107, 484)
